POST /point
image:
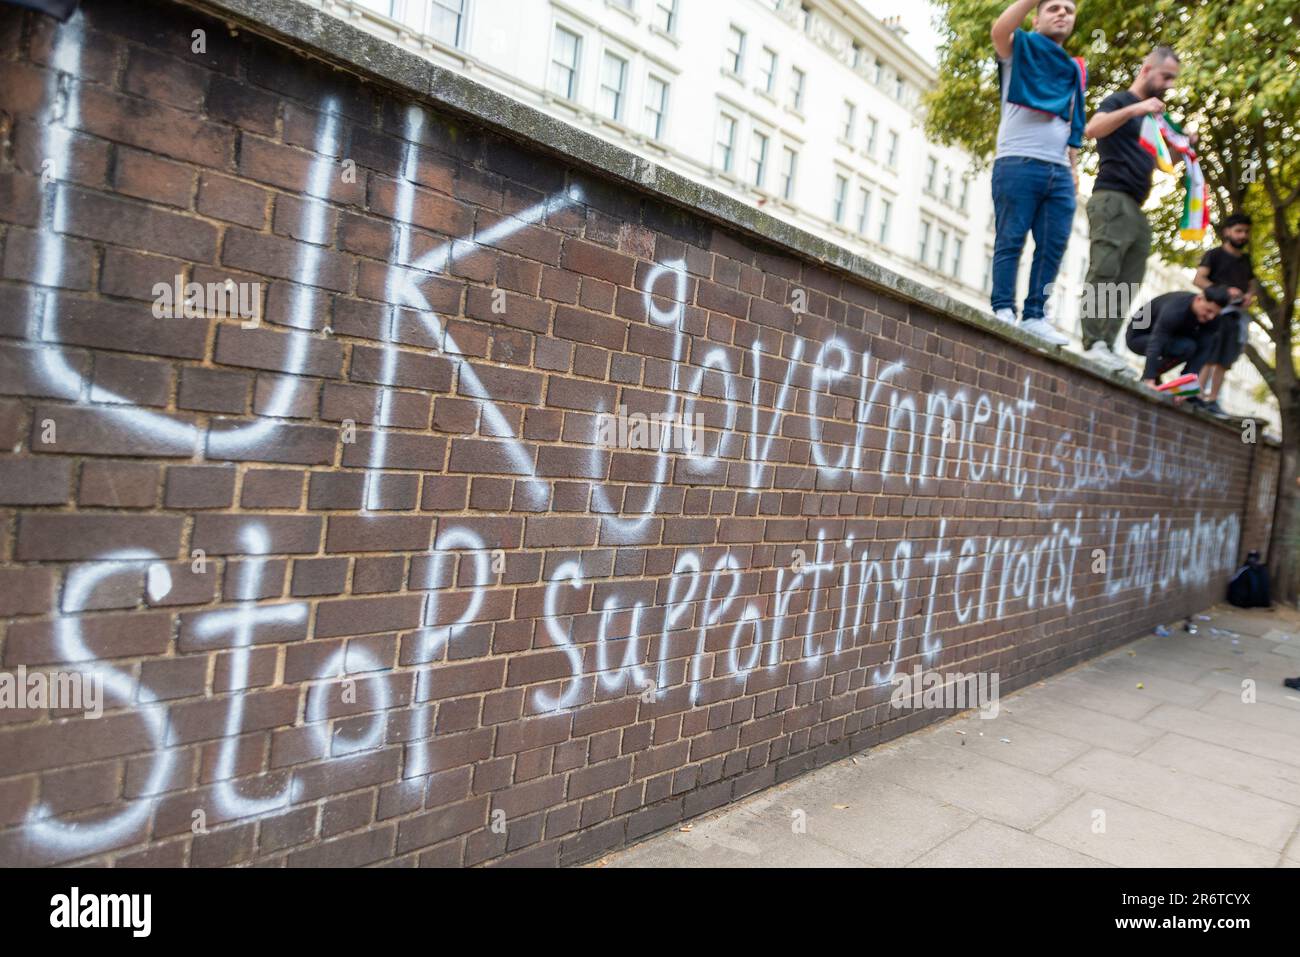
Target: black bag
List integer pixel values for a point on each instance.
(1249, 587)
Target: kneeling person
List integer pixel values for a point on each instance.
(1176, 327)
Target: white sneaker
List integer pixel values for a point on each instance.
(1045, 330)
(1005, 315)
(1103, 355)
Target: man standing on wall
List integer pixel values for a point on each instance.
(1119, 234)
(1229, 266)
(1034, 174)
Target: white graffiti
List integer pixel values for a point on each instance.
(723, 619)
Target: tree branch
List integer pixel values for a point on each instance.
(1263, 368)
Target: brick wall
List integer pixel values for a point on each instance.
(365, 582)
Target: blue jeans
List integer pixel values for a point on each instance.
(1029, 195)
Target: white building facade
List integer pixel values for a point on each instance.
(807, 109)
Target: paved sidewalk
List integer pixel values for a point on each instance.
(1147, 756)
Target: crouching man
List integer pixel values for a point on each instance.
(1178, 327)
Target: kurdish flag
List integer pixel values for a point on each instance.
(1157, 136)
(1183, 386)
(1152, 140)
(1196, 202)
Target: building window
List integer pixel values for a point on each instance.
(872, 127)
(957, 244)
(735, 59)
(941, 249)
(656, 106)
(864, 209)
(923, 247)
(805, 17)
(440, 19)
(758, 158)
(564, 63)
(613, 83)
(931, 170)
(726, 145)
(841, 197)
(987, 282)
(447, 21)
(796, 87)
(878, 72)
(665, 15)
(947, 184)
(898, 87)
(767, 70)
(847, 115)
(886, 209)
(965, 193)
(789, 165)
(891, 157)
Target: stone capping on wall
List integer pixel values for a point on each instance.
(340, 44)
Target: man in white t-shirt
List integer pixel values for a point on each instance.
(1035, 175)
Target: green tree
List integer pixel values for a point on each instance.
(1239, 87)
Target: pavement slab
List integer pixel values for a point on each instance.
(1177, 751)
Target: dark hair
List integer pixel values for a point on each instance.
(1217, 294)
(1162, 53)
(1236, 219)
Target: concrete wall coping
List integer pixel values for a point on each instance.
(341, 44)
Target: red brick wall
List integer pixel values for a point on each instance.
(362, 584)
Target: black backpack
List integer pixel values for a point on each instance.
(1249, 587)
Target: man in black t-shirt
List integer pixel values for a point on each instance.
(1119, 234)
(1176, 327)
(1228, 266)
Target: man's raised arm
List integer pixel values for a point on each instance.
(1004, 27)
(1106, 122)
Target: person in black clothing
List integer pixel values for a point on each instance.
(1228, 266)
(1118, 232)
(1176, 327)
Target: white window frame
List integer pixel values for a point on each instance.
(661, 115)
(789, 170)
(760, 146)
(669, 7)
(575, 69)
(729, 163)
(620, 95)
(840, 198)
(798, 87)
(767, 69)
(735, 62)
(864, 210)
